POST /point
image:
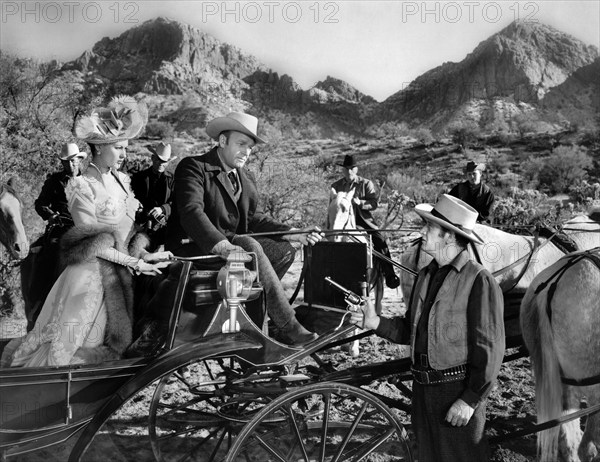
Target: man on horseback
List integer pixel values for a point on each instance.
(364, 201)
(215, 210)
(51, 204)
(455, 326)
(40, 269)
(474, 192)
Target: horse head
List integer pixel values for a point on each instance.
(340, 214)
(12, 231)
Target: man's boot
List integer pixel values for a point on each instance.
(294, 333)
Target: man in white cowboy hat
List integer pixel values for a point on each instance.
(474, 192)
(454, 324)
(153, 187)
(40, 269)
(51, 204)
(216, 208)
(364, 201)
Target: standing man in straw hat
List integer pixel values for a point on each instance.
(454, 324)
(216, 208)
(153, 188)
(364, 201)
(474, 192)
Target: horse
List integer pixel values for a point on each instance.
(340, 216)
(560, 321)
(514, 261)
(12, 231)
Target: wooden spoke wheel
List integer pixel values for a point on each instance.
(194, 415)
(326, 422)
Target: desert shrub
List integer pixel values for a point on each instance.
(501, 138)
(527, 122)
(586, 194)
(38, 107)
(497, 162)
(564, 168)
(397, 205)
(464, 132)
(523, 210)
(410, 182)
(158, 129)
(424, 135)
(324, 162)
(389, 130)
(293, 192)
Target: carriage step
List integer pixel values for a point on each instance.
(293, 380)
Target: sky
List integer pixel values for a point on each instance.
(379, 47)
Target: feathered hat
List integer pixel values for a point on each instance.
(123, 119)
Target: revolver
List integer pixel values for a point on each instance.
(349, 297)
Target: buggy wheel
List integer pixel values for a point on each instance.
(325, 422)
(194, 414)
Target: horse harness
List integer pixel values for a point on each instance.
(537, 246)
(594, 256)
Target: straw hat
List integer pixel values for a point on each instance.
(70, 150)
(453, 214)
(123, 119)
(236, 121)
(163, 152)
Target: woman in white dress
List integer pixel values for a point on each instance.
(87, 317)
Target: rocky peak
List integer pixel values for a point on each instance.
(166, 56)
(332, 89)
(521, 63)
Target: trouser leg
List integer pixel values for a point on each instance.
(437, 440)
(281, 254)
(278, 306)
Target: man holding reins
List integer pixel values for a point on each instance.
(216, 209)
(364, 201)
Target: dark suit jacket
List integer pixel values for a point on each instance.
(205, 211)
(153, 195)
(52, 198)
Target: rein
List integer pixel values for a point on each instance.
(536, 248)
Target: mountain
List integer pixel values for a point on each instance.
(520, 64)
(166, 57)
(190, 77)
(578, 96)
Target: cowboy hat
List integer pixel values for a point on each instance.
(70, 150)
(472, 166)
(453, 214)
(123, 119)
(349, 161)
(163, 152)
(236, 121)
